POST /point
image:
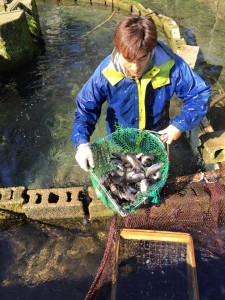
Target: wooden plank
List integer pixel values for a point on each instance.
(115, 268)
(191, 270)
(155, 235)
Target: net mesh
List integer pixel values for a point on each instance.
(197, 208)
(142, 263)
(128, 142)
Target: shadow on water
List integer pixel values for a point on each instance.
(56, 289)
(17, 283)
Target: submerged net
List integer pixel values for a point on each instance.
(141, 262)
(197, 208)
(125, 160)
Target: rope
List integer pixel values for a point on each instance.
(89, 32)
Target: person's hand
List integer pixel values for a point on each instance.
(170, 134)
(84, 156)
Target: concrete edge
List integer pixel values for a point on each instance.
(57, 203)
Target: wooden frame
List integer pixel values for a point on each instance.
(163, 236)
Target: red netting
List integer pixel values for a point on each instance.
(197, 208)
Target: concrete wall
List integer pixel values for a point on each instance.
(20, 33)
(46, 204)
(16, 46)
(67, 203)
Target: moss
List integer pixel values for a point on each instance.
(32, 24)
(13, 207)
(16, 43)
(131, 1)
(3, 51)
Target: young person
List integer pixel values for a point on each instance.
(138, 80)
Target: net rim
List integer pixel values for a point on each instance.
(152, 133)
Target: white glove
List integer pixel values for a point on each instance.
(84, 156)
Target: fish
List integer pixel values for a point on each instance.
(132, 188)
(139, 155)
(120, 193)
(144, 184)
(135, 163)
(105, 179)
(114, 189)
(147, 160)
(117, 179)
(131, 159)
(127, 195)
(133, 175)
(156, 176)
(120, 172)
(118, 163)
(153, 169)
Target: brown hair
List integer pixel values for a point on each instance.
(135, 34)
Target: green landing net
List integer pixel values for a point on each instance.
(122, 141)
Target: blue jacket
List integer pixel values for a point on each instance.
(142, 103)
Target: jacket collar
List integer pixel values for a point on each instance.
(163, 62)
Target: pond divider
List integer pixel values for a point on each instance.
(20, 33)
(82, 203)
(45, 204)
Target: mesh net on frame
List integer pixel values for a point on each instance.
(131, 167)
(197, 208)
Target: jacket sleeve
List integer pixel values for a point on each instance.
(88, 108)
(195, 94)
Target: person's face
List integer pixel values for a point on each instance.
(136, 66)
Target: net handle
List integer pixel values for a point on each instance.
(164, 143)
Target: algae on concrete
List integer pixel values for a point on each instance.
(20, 34)
(16, 41)
(3, 51)
(31, 10)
